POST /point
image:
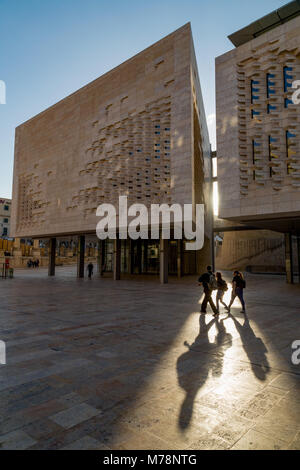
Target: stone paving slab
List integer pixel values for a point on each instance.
(75, 415)
(86, 443)
(16, 440)
(133, 365)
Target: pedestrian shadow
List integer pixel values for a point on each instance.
(194, 366)
(254, 348)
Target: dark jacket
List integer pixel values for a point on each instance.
(204, 279)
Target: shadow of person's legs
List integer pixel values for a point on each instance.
(254, 348)
(194, 366)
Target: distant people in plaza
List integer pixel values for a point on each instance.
(222, 288)
(238, 286)
(209, 283)
(90, 269)
(33, 263)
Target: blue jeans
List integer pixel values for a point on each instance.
(238, 293)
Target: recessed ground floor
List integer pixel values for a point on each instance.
(98, 364)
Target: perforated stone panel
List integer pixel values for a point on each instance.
(258, 127)
(266, 113)
(130, 132)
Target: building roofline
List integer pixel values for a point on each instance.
(93, 82)
(276, 18)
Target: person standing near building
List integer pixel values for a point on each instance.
(238, 286)
(209, 283)
(222, 288)
(90, 269)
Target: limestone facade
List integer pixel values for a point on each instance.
(258, 127)
(139, 130)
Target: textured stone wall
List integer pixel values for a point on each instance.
(258, 126)
(130, 132)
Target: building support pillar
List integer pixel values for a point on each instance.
(298, 253)
(131, 257)
(80, 256)
(164, 261)
(36, 244)
(145, 259)
(101, 257)
(17, 243)
(213, 251)
(117, 259)
(36, 252)
(139, 255)
(17, 252)
(289, 258)
(180, 247)
(52, 255)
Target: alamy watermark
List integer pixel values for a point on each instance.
(296, 353)
(136, 222)
(2, 353)
(296, 94)
(2, 92)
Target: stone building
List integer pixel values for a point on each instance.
(258, 128)
(139, 130)
(5, 213)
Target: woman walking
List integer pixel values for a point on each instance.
(222, 288)
(238, 286)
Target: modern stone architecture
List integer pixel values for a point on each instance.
(242, 247)
(258, 127)
(139, 130)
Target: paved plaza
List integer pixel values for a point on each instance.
(133, 365)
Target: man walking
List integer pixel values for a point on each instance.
(209, 283)
(90, 269)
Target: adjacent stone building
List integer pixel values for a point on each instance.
(5, 213)
(258, 127)
(139, 130)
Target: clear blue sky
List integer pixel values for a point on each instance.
(50, 48)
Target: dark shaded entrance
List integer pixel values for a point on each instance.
(116, 257)
(143, 257)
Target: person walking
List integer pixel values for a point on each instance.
(222, 288)
(238, 286)
(209, 283)
(90, 269)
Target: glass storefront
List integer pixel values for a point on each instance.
(143, 257)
